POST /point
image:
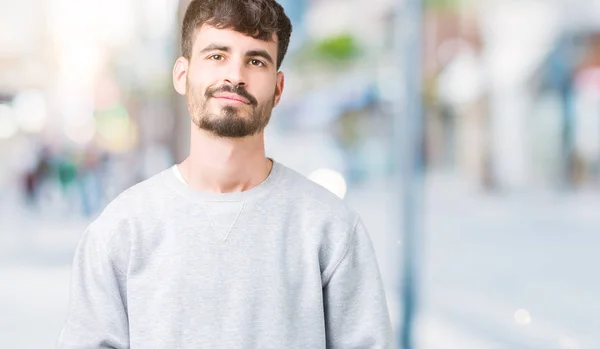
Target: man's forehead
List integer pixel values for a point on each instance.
(208, 34)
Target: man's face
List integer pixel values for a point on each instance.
(231, 82)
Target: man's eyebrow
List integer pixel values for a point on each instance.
(260, 53)
(215, 47)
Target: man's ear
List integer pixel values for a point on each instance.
(279, 88)
(180, 75)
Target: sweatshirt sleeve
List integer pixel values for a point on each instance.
(356, 313)
(97, 314)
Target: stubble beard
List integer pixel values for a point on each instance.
(229, 122)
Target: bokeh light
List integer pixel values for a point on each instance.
(331, 180)
(30, 111)
(8, 124)
(522, 317)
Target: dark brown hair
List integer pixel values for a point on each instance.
(259, 19)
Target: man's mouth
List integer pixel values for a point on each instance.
(231, 97)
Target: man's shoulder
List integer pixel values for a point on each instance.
(312, 196)
(136, 204)
(137, 199)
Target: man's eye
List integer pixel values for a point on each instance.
(257, 63)
(216, 57)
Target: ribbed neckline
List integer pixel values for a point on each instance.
(171, 180)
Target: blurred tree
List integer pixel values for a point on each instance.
(442, 4)
(337, 48)
(330, 54)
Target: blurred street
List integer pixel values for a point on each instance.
(505, 133)
(482, 263)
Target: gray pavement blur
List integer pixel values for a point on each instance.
(508, 270)
(503, 270)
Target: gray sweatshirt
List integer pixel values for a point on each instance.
(283, 265)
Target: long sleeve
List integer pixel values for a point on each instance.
(356, 313)
(97, 315)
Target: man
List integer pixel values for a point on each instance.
(229, 249)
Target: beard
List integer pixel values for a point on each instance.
(229, 121)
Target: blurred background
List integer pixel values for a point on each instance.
(505, 229)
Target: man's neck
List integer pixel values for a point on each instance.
(224, 165)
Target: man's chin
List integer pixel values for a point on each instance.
(228, 133)
(229, 112)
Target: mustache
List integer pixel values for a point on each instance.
(240, 91)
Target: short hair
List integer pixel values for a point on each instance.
(259, 19)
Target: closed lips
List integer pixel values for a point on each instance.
(233, 97)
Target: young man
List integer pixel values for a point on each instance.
(229, 249)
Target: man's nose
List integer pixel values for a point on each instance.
(235, 74)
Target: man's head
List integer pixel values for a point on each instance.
(229, 70)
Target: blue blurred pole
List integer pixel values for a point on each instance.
(409, 138)
(565, 76)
